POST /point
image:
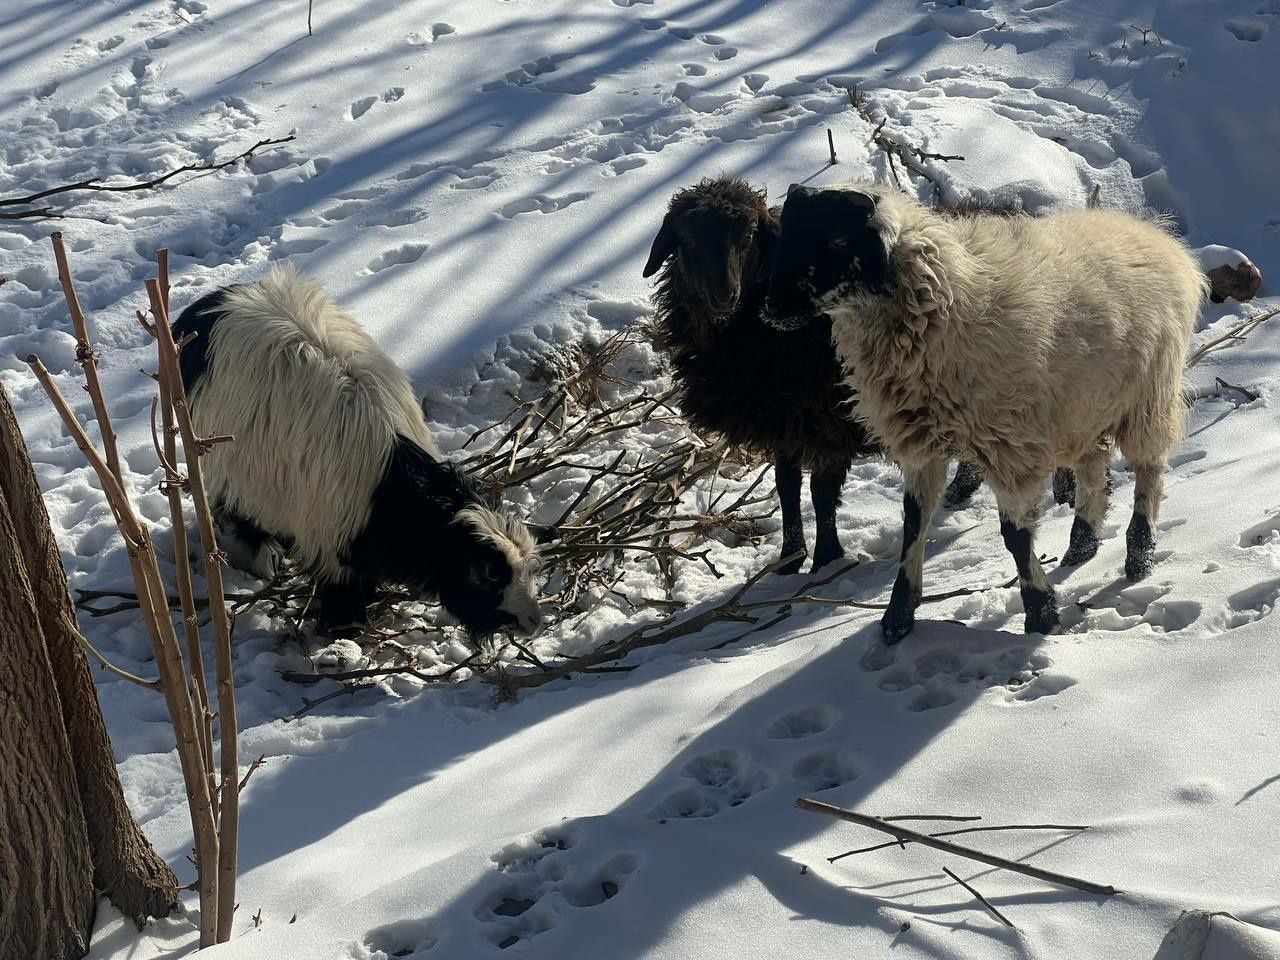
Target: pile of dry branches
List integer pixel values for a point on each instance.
(212, 783)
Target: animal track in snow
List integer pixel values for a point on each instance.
(476, 177)
(437, 31)
(631, 3)
(541, 203)
(360, 107)
(1252, 603)
(824, 770)
(957, 22)
(403, 938)
(726, 53)
(938, 676)
(539, 875)
(721, 779)
(405, 253)
(292, 248)
(801, 723)
(392, 95)
(528, 74)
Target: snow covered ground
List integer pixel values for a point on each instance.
(479, 182)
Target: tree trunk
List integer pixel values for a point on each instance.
(65, 830)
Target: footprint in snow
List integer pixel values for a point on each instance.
(938, 676)
(397, 256)
(360, 107)
(541, 203)
(543, 879)
(721, 780)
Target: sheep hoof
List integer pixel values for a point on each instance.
(1083, 546)
(823, 557)
(792, 567)
(900, 618)
(1140, 555)
(1041, 609)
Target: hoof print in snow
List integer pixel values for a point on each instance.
(403, 938)
(721, 779)
(801, 723)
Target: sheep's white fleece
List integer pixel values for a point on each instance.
(1019, 341)
(315, 407)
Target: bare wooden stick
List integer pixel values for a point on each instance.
(96, 184)
(154, 609)
(1237, 332)
(903, 834)
(229, 793)
(981, 899)
(182, 565)
(152, 684)
(87, 358)
(831, 145)
(954, 833)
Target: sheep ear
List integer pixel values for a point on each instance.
(664, 245)
(793, 188)
(864, 200)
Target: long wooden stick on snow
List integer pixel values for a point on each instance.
(903, 834)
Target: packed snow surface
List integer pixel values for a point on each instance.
(479, 182)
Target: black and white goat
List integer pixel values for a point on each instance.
(332, 460)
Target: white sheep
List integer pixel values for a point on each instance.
(1016, 342)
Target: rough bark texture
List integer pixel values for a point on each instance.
(37, 634)
(46, 877)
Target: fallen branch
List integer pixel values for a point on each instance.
(1237, 332)
(896, 147)
(952, 833)
(980, 898)
(903, 835)
(95, 184)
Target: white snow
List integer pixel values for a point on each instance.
(480, 182)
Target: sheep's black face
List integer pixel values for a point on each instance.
(829, 250)
(716, 253)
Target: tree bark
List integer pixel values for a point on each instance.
(65, 829)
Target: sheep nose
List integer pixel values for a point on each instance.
(528, 624)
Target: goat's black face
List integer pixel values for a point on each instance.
(828, 250)
(715, 252)
(484, 591)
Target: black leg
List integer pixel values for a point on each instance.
(1091, 474)
(1064, 486)
(1140, 541)
(786, 474)
(922, 486)
(343, 607)
(1038, 602)
(963, 485)
(825, 485)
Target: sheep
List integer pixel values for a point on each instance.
(332, 460)
(778, 393)
(1021, 342)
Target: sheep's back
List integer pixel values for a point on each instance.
(315, 407)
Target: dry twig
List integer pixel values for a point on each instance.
(903, 835)
(980, 898)
(95, 184)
